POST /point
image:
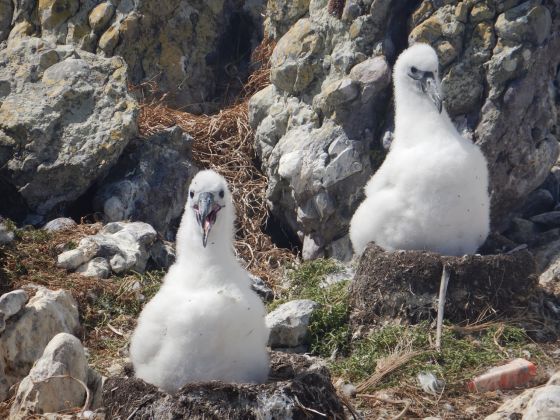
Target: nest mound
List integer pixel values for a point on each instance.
(296, 389)
(405, 285)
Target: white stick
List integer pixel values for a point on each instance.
(441, 305)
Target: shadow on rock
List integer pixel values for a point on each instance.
(297, 388)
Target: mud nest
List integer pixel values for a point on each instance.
(296, 389)
(405, 285)
(224, 142)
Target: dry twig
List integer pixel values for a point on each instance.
(307, 409)
(389, 401)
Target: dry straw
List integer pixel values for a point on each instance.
(224, 142)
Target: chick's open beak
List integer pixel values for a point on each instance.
(206, 213)
(430, 88)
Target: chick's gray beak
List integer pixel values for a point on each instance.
(430, 88)
(206, 214)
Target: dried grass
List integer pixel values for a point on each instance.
(33, 260)
(224, 142)
(401, 356)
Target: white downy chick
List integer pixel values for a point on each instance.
(205, 323)
(431, 192)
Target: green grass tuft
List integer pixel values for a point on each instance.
(328, 329)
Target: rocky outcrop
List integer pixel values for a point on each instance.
(65, 118)
(28, 332)
(183, 47)
(118, 247)
(150, 182)
(58, 381)
(321, 125)
(297, 388)
(282, 14)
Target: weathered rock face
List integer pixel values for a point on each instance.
(181, 46)
(282, 14)
(27, 334)
(317, 123)
(294, 383)
(52, 384)
(150, 182)
(118, 247)
(383, 289)
(65, 117)
(327, 105)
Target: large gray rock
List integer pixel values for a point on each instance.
(150, 182)
(289, 323)
(53, 384)
(331, 77)
(184, 47)
(65, 117)
(26, 336)
(123, 246)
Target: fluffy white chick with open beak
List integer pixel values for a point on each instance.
(205, 323)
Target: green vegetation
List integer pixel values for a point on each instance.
(461, 358)
(110, 303)
(329, 330)
(109, 315)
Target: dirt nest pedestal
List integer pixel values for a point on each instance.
(405, 285)
(297, 388)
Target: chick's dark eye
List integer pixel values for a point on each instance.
(221, 193)
(413, 70)
(191, 194)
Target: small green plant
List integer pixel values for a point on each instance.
(328, 329)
